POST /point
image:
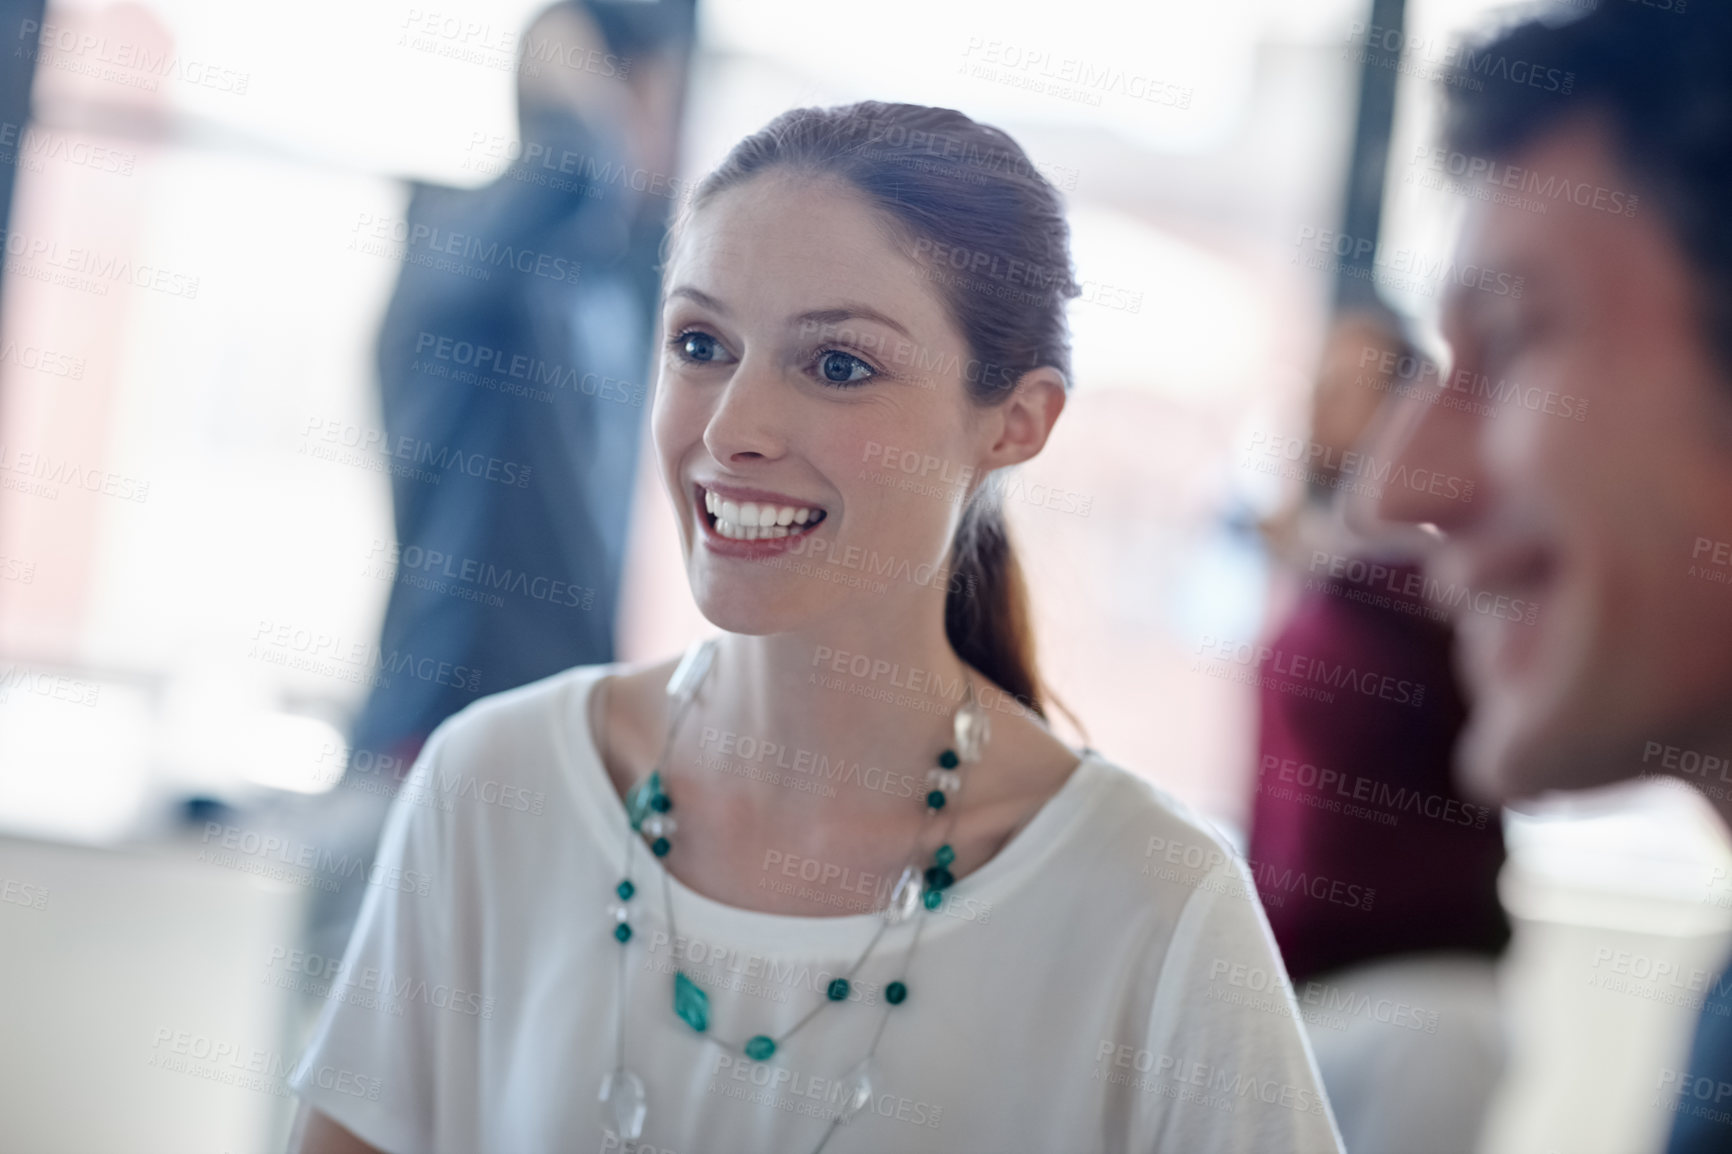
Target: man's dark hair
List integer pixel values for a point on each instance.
(1658, 75)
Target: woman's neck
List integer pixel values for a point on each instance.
(789, 702)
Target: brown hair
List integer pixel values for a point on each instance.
(991, 233)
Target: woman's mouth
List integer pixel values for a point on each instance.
(737, 520)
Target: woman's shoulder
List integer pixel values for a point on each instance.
(1145, 832)
(519, 711)
(542, 722)
(1169, 869)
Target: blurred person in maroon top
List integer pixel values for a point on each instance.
(1378, 877)
(1359, 789)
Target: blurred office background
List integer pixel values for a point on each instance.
(152, 595)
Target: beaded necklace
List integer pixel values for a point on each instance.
(648, 809)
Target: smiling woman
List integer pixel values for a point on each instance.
(1039, 961)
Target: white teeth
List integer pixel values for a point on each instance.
(738, 532)
(752, 521)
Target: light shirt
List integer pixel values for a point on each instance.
(1106, 982)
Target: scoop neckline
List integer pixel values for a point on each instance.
(702, 916)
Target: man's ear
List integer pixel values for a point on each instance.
(1024, 422)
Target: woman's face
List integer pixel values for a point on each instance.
(807, 365)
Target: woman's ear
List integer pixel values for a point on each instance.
(1026, 419)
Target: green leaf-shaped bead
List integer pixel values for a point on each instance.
(639, 801)
(691, 1003)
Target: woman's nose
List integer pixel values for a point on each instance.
(749, 420)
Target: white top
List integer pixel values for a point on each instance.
(1078, 992)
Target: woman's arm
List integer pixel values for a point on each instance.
(315, 1133)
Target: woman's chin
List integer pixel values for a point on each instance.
(752, 613)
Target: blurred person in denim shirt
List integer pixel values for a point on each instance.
(514, 365)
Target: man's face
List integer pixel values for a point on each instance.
(1584, 404)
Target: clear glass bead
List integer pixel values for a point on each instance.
(659, 825)
(972, 731)
(622, 1093)
(947, 780)
(690, 673)
(620, 912)
(856, 1087)
(905, 898)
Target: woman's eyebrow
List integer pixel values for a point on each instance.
(848, 312)
(831, 316)
(698, 296)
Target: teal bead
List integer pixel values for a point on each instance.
(622, 932)
(641, 798)
(895, 992)
(944, 855)
(691, 1003)
(760, 1048)
(625, 889)
(838, 989)
(932, 898)
(935, 799)
(948, 759)
(660, 846)
(938, 878)
(660, 803)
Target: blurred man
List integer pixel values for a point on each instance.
(513, 365)
(1591, 403)
(520, 340)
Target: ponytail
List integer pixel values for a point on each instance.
(986, 611)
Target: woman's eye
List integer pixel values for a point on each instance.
(839, 368)
(696, 346)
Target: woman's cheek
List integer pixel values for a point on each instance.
(676, 421)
